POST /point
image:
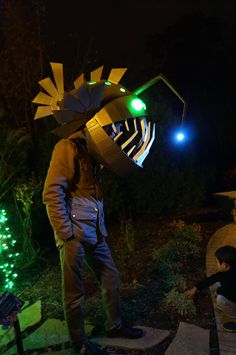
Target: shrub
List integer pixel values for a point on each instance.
(127, 234)
(24, 193)
(183, 246)
(171, 259)
(177, 302)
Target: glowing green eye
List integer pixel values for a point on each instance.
(92, 82)
(107, 83)
(122, 90)
(138, 105)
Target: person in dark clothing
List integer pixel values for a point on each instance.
(226, 276)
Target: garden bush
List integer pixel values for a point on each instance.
(182, 247)
(172, 261)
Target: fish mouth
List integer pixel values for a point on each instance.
(134, 136)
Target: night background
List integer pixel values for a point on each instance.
(191, 42)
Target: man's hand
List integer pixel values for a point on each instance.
(189, 294)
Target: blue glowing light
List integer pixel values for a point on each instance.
(180, 136)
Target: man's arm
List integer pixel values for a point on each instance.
(57, 186)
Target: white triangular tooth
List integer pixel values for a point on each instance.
(118, 136)
(130, 151)
(127, 142)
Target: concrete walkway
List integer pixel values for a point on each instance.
(223, 236)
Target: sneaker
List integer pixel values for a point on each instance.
(230, 327)
(125, 332)
(91, 348)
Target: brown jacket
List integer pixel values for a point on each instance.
(72, 192)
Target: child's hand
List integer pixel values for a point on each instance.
(189, 294)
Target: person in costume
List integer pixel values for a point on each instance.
(101, 123)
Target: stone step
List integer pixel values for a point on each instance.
(189, 340)
(151, 338)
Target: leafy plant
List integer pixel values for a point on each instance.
(172, 260)
(183, 246)
(177, 301)
(24, 193)
(176, 281)
(127, 234)
(13, 155)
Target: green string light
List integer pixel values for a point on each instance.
(8, 255)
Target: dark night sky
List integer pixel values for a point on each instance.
(119, 28)
(117, 33)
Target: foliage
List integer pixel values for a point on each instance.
(8, 255)
(176, 301)
(13, 156)
(171, 262)
(128, 235)
(183, 245)
(24, 193)
(171, 279)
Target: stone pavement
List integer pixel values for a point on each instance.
(189, 340)
(223, 236)
(152, 337)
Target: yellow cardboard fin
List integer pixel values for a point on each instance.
(48, 85)
(79, 81)
(57, 69)
(43, 111)
(116, 75)
(42, 99)
(96, 75)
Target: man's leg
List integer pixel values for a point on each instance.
(101, 262)
(71, 258)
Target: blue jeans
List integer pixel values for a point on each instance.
(98, 257)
